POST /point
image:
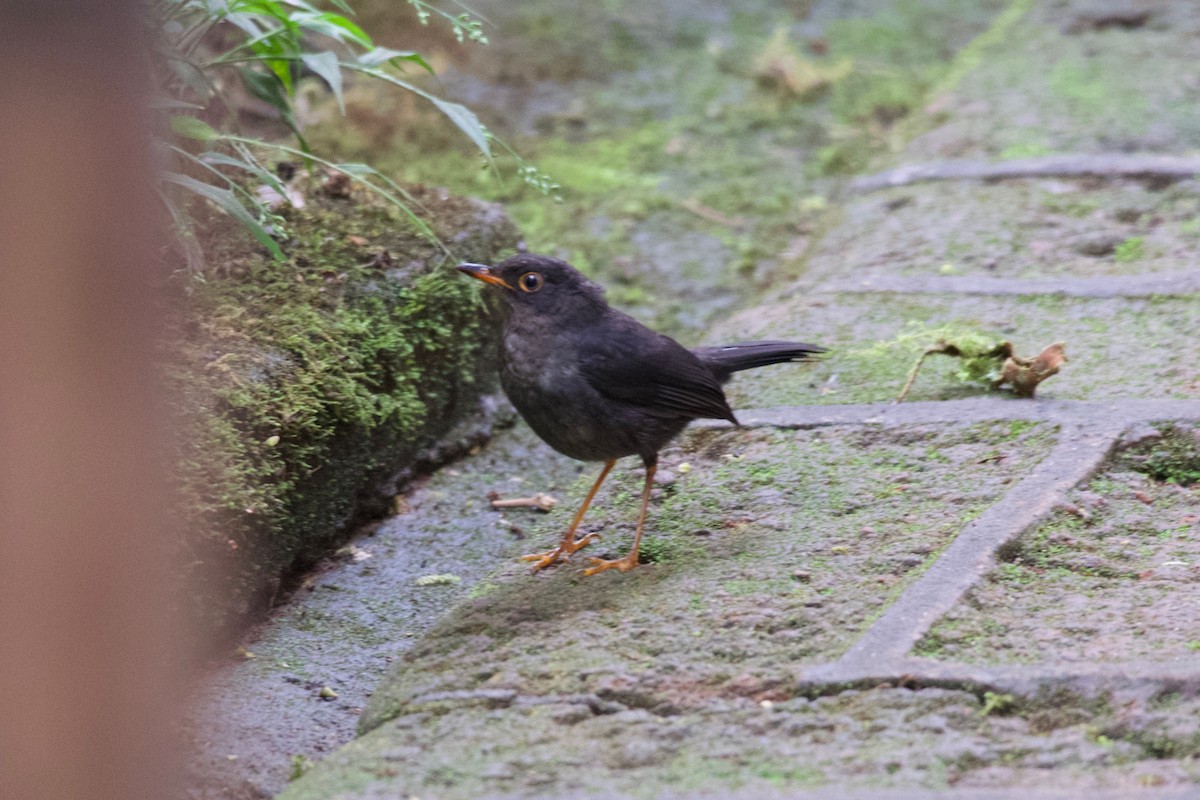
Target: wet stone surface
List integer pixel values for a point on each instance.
(935, 738)
(1095, 89)
(1032, 228)
(1113, 575)
(762, 561)
(966, 595)
(874, 342)
(262, 714)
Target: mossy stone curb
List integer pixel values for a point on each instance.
(304, 389)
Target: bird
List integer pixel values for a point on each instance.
(597, 385)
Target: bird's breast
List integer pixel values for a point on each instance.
(541, 377)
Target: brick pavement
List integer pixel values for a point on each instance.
(561, 687)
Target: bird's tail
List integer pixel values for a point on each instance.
(728, 359)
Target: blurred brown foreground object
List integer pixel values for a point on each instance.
(87, 649)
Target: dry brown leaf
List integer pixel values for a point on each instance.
(1024, 374)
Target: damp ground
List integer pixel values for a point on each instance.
(965, 592)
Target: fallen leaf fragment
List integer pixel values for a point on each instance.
(438, 580)
(540, 501)
(1024, 375)
(781, 66)
(997, 364)
(337, 185)
(353, 552)
(1075, 511)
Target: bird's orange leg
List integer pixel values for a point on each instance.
(569, 545)
(630, 559)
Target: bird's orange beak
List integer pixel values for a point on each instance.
(485, 274)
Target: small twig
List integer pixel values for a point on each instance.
(711, 214)
(912, 373)
(540, 501)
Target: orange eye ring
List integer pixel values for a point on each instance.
(531, 282)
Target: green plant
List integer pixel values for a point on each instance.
(977, 349)
(1132, 249)
(300, 765)
(210, 49)
(1175, 458)
(996, 703)
(984, 358)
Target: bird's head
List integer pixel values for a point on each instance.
(542, 285)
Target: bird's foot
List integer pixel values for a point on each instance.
(623, 564)
(562, 552)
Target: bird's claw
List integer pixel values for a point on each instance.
(562, 552)
(600, 564)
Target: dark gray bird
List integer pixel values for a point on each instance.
(598, 385)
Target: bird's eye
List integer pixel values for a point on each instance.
(531, 281)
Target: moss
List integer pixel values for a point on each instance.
(1172, 458)
(1132, 249)
(302, 385)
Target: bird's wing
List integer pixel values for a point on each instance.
(652, 371)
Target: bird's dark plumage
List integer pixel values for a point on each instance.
(595, 383)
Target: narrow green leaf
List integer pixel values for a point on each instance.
(184, 235)
(304, 148)
(364, 171)
(301, 5)
(460, 115)
(227, 201)
(357, 169)
(164, 102)
(334, 26)
(384, 55)
(247, 23)
(268, 8)
(213, 157)
(466, 121)
(265, 87)
(245, 164)
(274, 41)
(326, 65)
(343, 5)
(192, 128)
(283, 70)
(193, 76)
(277, 49)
